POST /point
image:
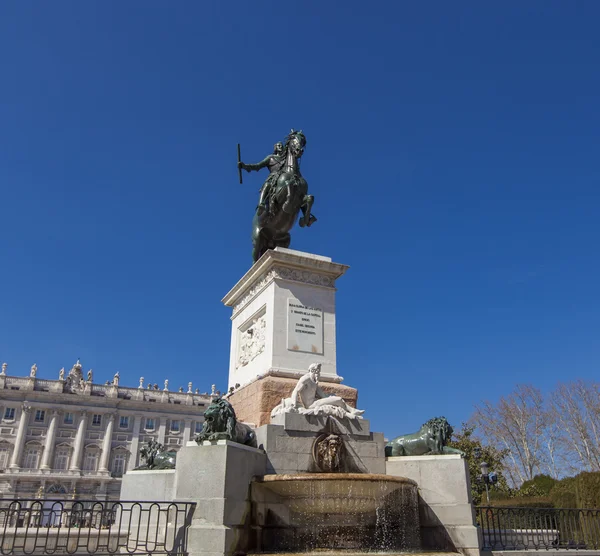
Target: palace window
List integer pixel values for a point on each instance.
(174, 426)
(61, 459)
(9, 414)
(124, 422)
(57, 489)
(31, 458)
(149, 423)
(96, 420)
(198, 427)
(68, 420)
(40, 414)
(90, 462)
(118, 465)
(4, 453)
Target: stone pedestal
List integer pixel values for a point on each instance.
(254, 402)
(283, 317)
(289, 442)
(148, 485)
(445, 506)
(217, 477)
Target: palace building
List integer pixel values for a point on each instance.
(75, 439)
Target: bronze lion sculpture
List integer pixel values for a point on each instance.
(432, 438)
(156, 457)
(220, 423)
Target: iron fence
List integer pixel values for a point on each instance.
(92, 527)
(539, 528)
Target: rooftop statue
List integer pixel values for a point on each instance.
(431, 439)
(309, 399)
(282, 196)
(220, 423)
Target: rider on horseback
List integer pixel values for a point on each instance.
(283, 195)
(274, 162)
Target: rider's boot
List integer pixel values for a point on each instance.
(262, 205)
(287, 206)
(311, 220)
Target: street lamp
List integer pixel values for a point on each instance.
(487, 478)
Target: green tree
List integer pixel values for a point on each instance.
(475, 454)
(540, 485)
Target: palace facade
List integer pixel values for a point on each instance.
(71, 438)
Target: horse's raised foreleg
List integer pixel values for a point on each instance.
(307, 219)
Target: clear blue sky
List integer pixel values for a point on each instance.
(453, 152)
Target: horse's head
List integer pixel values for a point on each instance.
(295, 143)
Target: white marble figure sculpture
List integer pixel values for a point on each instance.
(309, 399)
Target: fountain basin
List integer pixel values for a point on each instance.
(335, 493)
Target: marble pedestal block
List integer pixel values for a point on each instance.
(217, 477)
(283, 317)
(289, 443)
(254, 402)
(149, 485)
(445, 506)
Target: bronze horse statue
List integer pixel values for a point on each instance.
(283, 195)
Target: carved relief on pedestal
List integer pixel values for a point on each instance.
(252, 341)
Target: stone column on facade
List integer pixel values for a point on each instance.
(21, 435)
(78, 450)
(161, 430)
(107, 444)
(50, 439)
(135, 442)
(187, 431)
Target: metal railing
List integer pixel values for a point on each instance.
(92, 527)
(539, 528)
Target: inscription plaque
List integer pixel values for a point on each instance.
(305, 328)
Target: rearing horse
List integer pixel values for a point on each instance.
(287, 195)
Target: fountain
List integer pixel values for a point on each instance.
(334, 493)
(335, 511)
(289, 486)
(305, 472)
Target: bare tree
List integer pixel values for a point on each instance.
(575, 407)
(519, 423)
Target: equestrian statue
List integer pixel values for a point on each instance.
(283, 195)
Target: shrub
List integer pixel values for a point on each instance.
(540, 485)
(587, 490)
(563, 494)
(524, 502)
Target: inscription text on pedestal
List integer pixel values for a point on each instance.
(305, 328)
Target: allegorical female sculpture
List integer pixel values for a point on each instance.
(283, 195)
